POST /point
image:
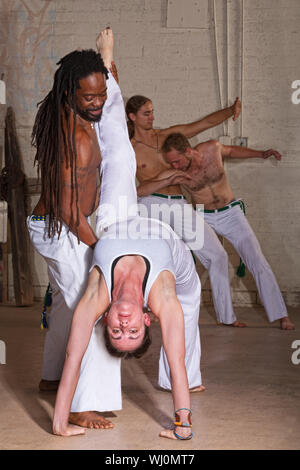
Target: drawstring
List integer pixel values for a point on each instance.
(241, 270)
(47, 303)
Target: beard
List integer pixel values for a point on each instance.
(87, 116)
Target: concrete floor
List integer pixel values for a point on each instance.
(251, 401)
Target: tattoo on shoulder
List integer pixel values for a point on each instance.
(67, 184)
(81, 172)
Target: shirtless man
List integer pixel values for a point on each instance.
(147, 142)
(207, 184)
(69, 164)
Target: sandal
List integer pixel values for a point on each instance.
(183, 424)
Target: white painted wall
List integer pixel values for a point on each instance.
(168, 53)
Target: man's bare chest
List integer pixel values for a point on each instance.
(149, 163)
(205, 174)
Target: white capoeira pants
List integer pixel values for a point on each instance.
(68, 264)
(189, 295)
(99, 384)
(233, 225)
(212, 255)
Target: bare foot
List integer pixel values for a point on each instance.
(69, 431)
(182, 432)
(48, 385)
(201, 388)
(168, 433)
(286, 324)
(105, 46)
(236, 324)
(90, 419)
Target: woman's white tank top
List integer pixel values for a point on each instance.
(149, 238)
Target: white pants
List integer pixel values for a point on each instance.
(233, 225)
(188, 295)
(118, 197)
(68, 264)
(99, 384)
(212, 255)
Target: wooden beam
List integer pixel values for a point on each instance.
(15, 178)
(33, 187)
(4, 296)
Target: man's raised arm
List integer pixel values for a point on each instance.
(212, 120)
(235, 151)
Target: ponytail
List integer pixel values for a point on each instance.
(133, 105)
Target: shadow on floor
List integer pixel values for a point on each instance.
(139, 381)
(20, 374)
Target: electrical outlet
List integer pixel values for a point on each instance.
(241, 141)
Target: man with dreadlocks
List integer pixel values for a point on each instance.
(68, 159)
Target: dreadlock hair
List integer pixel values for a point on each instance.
(133, 105)
(137, 353)
(48, 136)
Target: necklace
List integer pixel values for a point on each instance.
(148, 145)
(92, 125)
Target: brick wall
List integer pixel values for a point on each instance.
(169, 54)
